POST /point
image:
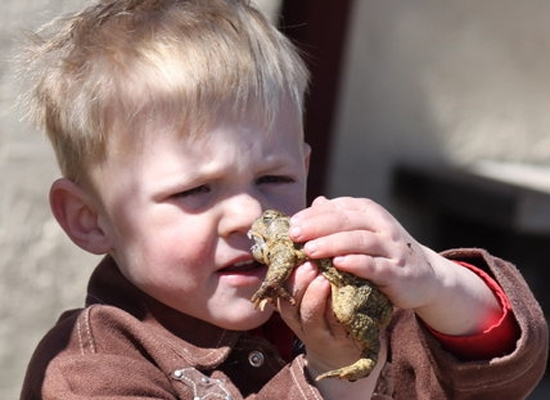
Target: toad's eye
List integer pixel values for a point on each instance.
(275, 179)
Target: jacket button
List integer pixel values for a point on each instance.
(256, 358)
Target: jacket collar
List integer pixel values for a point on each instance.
(205, 345)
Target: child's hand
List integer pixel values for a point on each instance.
(314, 322)
(364, 239)
(328, 345)
(367, 241)
(348, 229)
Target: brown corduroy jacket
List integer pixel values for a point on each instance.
(126, 345)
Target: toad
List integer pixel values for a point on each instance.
(357, 304)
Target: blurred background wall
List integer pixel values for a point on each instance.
(423, 81)
(41, 272)
(458, 81)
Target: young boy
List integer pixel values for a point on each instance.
(175, 123)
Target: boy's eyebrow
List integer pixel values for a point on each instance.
(189, 178)
(183, 179)
(165, 185)
(277, 163)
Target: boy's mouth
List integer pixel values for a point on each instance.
(244, 266)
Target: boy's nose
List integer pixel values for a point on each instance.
(239, 213)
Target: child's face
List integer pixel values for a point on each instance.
(177, 212)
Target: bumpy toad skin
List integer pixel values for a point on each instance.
(357, 304)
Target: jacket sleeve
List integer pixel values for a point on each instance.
(420, 365)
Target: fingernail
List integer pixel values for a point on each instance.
(311, 248)
(295, 232)
(337, 259)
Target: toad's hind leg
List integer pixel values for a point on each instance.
(359, 369)
(366, 333)
(348, 306)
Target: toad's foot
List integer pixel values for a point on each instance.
(360, 369)
(268, 294)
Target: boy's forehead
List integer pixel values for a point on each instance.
(174, 121)
(250, 132)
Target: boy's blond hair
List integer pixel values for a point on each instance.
(121, 64)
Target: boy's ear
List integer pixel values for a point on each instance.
(74, 211)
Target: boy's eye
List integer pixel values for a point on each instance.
(275, 179)
(193, 191)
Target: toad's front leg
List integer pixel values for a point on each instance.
(268, 294)
(281, 260)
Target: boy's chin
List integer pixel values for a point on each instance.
(247, 320)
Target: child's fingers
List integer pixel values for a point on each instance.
(319, 200)
(301, 278)
(337, 216)
(368, 267)
(313, 305)
(307, 316)
(297, 284)
(377, 244)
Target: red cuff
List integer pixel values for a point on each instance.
(497, 340)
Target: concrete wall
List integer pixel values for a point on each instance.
(424, 80)
(429, 80)
(41, 273)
